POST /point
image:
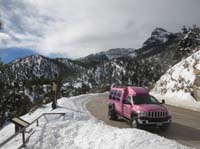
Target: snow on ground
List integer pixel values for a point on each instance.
(79, 129)
(179, 99)
(177, 84)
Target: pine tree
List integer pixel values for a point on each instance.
(184, 30)
(2, 106)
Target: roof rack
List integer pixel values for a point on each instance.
(121, 86)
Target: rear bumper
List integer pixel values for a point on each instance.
(158, 121)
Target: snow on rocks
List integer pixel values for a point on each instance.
(79, 129)
(178, 83)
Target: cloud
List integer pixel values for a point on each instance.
(75, 28)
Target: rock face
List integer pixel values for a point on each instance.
(182, 80)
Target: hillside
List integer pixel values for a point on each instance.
(104, 56)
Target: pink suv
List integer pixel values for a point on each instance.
(136, 105)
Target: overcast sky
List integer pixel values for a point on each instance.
(75, 28)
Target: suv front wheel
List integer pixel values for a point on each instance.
(134, 123)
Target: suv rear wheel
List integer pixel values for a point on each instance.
(112, 115)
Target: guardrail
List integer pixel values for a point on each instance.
(23, 131)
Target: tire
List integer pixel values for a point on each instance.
(165, 127)
(112, 115)
(134, 123)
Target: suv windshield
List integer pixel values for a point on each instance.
(144, 99)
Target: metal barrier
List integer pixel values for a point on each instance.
(23, 131)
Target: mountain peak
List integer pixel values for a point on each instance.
(160, 29)
(158, 36)
(159, 32)
(118, 52)
(33, 57)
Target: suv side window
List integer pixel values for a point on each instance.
(129, 99)
(114, 95)
(119, 95)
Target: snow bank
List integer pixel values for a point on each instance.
(179, 99)
(79, 129)
(178, 83)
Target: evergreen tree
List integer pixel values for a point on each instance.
(184, 30)
(2, 103)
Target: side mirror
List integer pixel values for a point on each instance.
(128, 103)
(163, 101)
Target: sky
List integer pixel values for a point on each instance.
(76, 28)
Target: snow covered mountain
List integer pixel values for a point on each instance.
(35, 66)
(40, 67)
(180, 85)
(142, 66)
(33, 75)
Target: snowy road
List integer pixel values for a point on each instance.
(78, 129)
(185, 128)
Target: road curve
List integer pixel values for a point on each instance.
(185, 127)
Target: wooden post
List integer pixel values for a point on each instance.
(23, 138)
(55, 99)
(16, 128)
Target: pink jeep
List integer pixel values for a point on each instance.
(136, 105)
